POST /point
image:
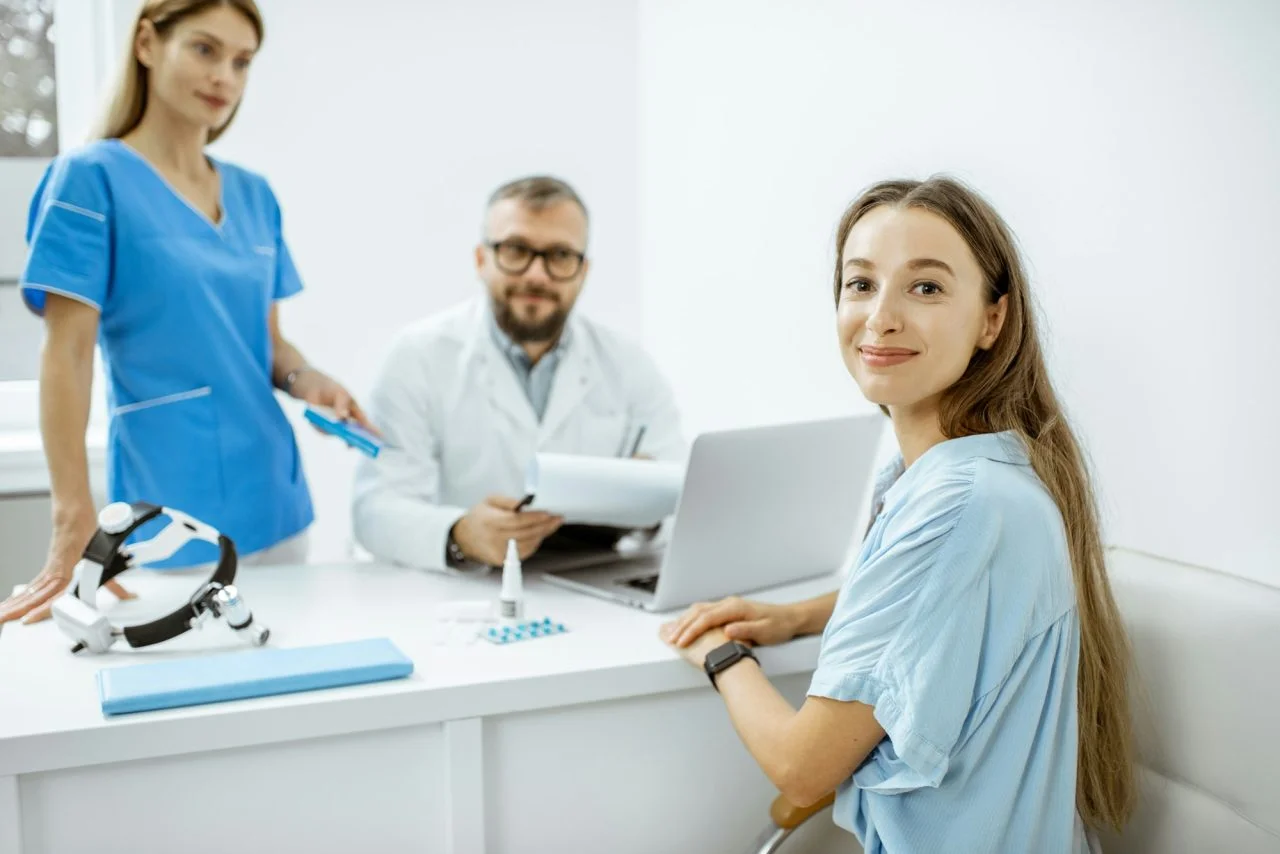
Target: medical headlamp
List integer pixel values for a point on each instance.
(108, 554)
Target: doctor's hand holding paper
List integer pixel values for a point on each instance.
(467, 398)
(482, 533)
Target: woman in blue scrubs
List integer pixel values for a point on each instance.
(174, 262)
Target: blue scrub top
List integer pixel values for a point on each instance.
(195, 423)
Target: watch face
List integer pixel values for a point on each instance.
(723, 654)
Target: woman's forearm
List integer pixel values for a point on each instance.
(814, 614)
(762, 717)
(66, 380)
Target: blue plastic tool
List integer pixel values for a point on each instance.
(349, 431)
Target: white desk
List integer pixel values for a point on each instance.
(23, 469)
(597, 740)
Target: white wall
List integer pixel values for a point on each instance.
(81, 57)
(85, 56)
(383, 126)
(18, 179)
(1131, 145)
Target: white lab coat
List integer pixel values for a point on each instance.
(459, 427)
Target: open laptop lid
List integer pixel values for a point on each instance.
(771, 505)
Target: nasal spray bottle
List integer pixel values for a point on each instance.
(511, 600)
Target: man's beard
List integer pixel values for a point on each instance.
(522, 331)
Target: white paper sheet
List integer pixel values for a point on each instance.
(622, 492)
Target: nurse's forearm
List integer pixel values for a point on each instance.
(287, 359)
(66, 380)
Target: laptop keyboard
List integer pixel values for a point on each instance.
(647, 583)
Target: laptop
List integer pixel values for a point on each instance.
(760, 507)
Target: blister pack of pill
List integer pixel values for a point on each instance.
(522, 631)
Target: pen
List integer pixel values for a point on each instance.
(635, 445)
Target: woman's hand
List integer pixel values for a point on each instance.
(35, 602)
(320, 389)
(66, 377)
(696, 652)
(742, 620)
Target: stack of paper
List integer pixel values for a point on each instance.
(616, 491)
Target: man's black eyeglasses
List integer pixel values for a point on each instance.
(513, 258)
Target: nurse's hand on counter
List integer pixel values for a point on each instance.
(35, 601)
(320, 389)
(482, 534)
(742, 620)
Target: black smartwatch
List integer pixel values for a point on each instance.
(725, 656)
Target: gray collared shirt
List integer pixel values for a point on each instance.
(535, 379)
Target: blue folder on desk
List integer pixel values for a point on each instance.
(251, 673)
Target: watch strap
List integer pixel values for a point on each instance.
(453, 555)
(292, 377)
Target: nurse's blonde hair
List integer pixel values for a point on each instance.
(129, 100)
(1008, 388)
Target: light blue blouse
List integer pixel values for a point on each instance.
(958, 625)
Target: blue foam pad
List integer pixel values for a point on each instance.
(251, 673)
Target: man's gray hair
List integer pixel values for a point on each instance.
(538, 192)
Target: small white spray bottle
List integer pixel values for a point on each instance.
(511, 600)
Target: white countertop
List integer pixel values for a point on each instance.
(50, 717)
(22, 465)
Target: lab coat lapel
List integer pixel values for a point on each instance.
(575, 376)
